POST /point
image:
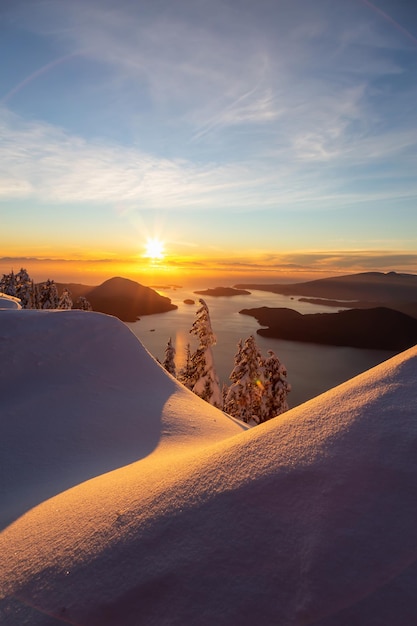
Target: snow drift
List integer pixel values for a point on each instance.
(9, 302)
(80, 396)
(310, 518)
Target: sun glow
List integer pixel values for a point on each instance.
(154, 249)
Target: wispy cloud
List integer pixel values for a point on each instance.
(46, 164)
(303, 70)
(271, 111)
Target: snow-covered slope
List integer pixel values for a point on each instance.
(9, 302)
(80, 396)
(308, 519)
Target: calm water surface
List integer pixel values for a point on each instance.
(312, 368)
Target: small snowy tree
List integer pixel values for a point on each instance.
(186, 375)
(65, 301)
(207, 384)
(18, 285)
(243, 399)
(8, 284)
(232, 395)
(23, 288)
(225, 391)
(169, 361)
(275, 388)
(48, 295)
(83, 304)
(34, 301)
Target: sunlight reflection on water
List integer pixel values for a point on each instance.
(312, 368)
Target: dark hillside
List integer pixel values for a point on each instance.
(127, 299)
(121, 297)
(379, 328)
(369, 286)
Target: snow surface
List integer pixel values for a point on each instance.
(168, 512)
(9, 302)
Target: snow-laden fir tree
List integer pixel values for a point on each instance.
(24, 288)
(275, 388)
(232, 394)
(34, 300)
(8, 284)
(18, 285)
(65, 301)
(186, 375)
(169, 361)
(207, 384)
(83, 304)
(225, 391)
(48, 295)
(243, 399)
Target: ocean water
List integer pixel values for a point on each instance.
(312, 368)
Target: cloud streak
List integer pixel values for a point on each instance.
(46, 164)
(214, 109)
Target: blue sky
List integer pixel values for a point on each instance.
(273, 134)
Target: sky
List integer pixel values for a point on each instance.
(273, 139)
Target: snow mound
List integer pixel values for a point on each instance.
(80, 396)
(9, 302)
(310, 518)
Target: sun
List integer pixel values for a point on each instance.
(154, 249)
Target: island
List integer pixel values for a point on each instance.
(189, 301)
(378, 328)
(166, 287)
(219, 292)
(121, 297)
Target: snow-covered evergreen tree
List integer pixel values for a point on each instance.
(186, 375)
(243, 399)
(231, 396)
(169, 361)
(83, 304)
(23, 288)
(8, 284)
(18, 285)
(65, 301)
(275, 388)
(34, 301)
(225, 391)
(48, 295)
(207, 384)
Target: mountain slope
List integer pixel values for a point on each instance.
(76, 401)
(310, 518)
(367, 286)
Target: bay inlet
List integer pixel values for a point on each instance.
(312, 368)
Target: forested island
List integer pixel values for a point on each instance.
(219, 292)
(379, 328)
(127, 299)
(121, 297)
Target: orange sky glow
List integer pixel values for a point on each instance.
(210, 269)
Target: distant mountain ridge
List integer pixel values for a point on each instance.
(369, 286)
(121, 297)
